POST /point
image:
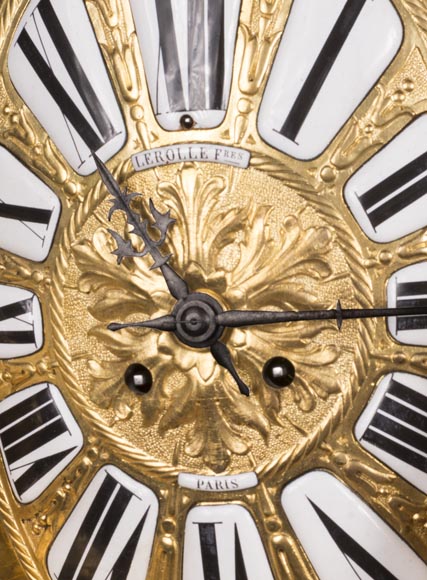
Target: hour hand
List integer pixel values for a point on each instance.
(121, 201)
(222, 356)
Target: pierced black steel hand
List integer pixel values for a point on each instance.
(240, 318)
(122, 202)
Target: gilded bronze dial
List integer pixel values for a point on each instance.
(213, 289)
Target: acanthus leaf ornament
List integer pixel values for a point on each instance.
(236, 286)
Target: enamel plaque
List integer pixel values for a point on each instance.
(388, 195)
(57, 68)
(218, 483)
(110, 532)
(21, 324)
(343, 537)
(222, 541)
(38, 438)
(331, 55)
(188, 50)
(29, 210)
(408, 288)
(393, 426)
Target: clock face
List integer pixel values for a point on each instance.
(213, 289)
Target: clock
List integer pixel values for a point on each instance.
(213, 289)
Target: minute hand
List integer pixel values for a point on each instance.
(238, 318)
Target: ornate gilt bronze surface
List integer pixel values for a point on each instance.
(277, 235)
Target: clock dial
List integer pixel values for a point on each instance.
(29, 211)
(409, 287)
(212, 301)
(21, 325)
(56, 66)
(188, 50)
(355, 543)
(394, 426)
(221, 541)
(38, 438)
(351, 44)
(389, 204)
(110, 532)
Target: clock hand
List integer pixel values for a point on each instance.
(222, 355)
(121, 202)
(162, 323)
(239, 318)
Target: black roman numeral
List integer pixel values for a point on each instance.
(321, 69)
(213, 72)
(209, 552)
(206, 55)
(94, 139)
(14, 311)
(124, 562)
(26, 215)
(381, 202)
(408, 441)
(169, 51)
(97, 530)
(410, 294)
(197, 50)
(240, 563)
(353, 552)
(25, 428)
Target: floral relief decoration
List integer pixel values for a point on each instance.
(230, 252)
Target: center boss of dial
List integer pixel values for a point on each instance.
(196, 325)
